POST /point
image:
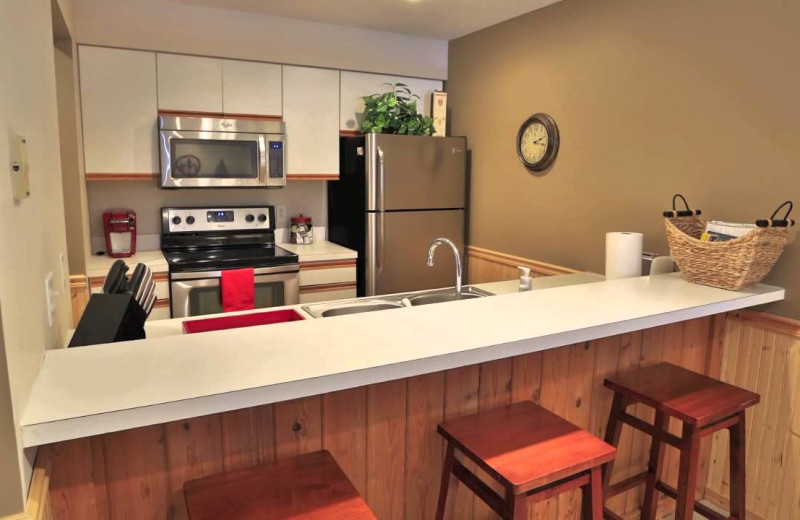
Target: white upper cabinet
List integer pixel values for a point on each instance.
(119, 108)
(251, 88)
(311, 113)
(355, 85)
(189, 83)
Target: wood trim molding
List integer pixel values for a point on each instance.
(221, 115)
(138, 177)
(349, 133)
(514, 261)
(161, 302)
(327, 264)
(768, 321)
(78, 280)
(312, 176)
(327, 287)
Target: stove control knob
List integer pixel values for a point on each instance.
(190, 220)
(176, 220)
(249, 218)
(262, 218)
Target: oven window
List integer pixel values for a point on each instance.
(214, 159)
(208, 300)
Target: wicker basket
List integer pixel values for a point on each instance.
(733, 264)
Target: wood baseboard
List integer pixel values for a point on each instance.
(135, 177)
(312, 177)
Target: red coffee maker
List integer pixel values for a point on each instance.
(120, 230)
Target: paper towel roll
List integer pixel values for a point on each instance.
(623, 255)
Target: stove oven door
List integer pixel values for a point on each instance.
(198, 293)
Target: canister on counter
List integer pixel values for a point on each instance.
(301, 230)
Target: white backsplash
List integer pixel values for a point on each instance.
(146, 199)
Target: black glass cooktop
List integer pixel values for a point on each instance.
(211, 259)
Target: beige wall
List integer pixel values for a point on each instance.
(147, 199)
(651, 98)
(31, 231)
(74, 187)
(172, 26)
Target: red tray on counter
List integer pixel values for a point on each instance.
(241, 320)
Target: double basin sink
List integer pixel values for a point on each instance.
(394, 301)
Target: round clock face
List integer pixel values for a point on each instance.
(537, 142)
(534, 142)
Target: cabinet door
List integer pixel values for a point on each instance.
(119, 109)
(311, 113)
(251, 88)
(356, 85)
(189, 83)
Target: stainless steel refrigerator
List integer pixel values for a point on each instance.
(395, 194)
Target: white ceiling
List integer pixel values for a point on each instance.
(440, 19)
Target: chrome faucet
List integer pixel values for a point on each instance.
(450, 243)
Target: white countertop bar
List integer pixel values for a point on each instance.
(92, 390)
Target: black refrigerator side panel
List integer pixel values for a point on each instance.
(347, 200)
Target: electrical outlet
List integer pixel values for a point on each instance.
(280, 215)
(50, 298)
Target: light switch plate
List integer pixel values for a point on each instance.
(62, 261)
(50, 298)
(20, 181)
(280, 215)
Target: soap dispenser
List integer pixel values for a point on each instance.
(524, 279)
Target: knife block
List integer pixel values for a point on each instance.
(109, 318)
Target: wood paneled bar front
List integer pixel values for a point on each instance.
(383, 435)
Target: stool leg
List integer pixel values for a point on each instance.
(737, 460)
(448, 483)
(613, 430)
(650, 502)
(687, 475)
(592, 496)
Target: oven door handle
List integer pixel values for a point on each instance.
(202, 275)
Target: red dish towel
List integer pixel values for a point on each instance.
(238, 290)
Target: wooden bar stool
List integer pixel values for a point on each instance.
(306, 487)
(705, 406)
(533, 453)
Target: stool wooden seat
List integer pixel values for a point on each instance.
(310, 486)
(531, 452)
(704, 405)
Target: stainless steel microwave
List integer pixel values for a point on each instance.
(208, 152)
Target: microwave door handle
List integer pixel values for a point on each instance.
(382, 209)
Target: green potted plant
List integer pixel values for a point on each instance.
(395, 112)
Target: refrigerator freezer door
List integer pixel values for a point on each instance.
(397, 247)
(415, 172)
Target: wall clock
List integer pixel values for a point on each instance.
(537, 142)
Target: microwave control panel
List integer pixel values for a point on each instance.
(275, 150)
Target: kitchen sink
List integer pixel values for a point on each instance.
(393, 301)
(355, 308)
(447, 295)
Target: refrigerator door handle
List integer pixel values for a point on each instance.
(382, 198)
